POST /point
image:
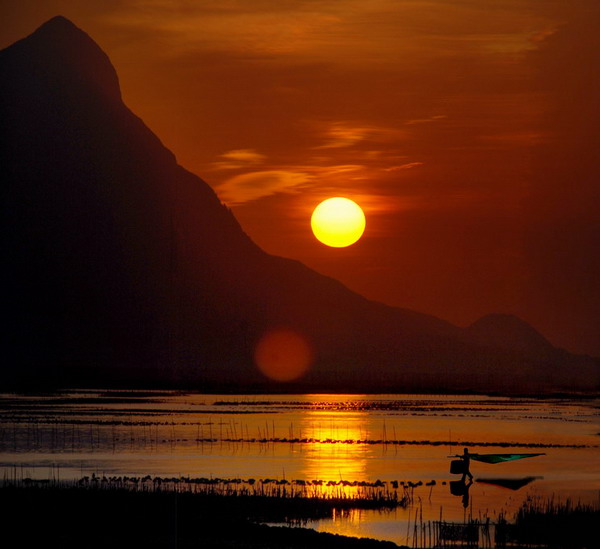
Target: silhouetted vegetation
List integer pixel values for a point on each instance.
(84, 516)
(550, 523)
(269, 499)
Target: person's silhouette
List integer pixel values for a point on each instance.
(461, 488)
(465, 496)
(466, 457)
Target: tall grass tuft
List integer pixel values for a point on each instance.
(551, 523)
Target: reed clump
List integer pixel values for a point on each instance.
(551, 523)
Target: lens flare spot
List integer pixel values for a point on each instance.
(283, 354)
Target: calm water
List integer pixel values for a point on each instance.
(337, 437)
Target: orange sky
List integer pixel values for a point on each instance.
(466, 129)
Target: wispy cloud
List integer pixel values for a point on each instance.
(254, 185)
(344, 32)
(239, 159)
(407, 166)
(338, 135)
(521, 138)
(285, 179)
(428, 120)
(334, 170)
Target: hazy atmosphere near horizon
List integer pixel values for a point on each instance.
(466, 131)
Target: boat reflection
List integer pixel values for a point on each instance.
(509, 483)
(460, 488)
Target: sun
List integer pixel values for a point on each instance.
(338, 222)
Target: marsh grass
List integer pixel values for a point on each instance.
(176, 513)
(551, 523)
(222, 510)
(272, 500)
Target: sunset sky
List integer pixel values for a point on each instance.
(468, 131)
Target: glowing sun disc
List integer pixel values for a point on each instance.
(338, 222)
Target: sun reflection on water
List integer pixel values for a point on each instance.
(337, 458)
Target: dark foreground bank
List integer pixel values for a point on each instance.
(71, 517)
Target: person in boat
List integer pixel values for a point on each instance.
(466, 457)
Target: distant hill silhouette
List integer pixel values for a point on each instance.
(121, 267)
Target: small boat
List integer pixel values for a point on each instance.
(457, 466)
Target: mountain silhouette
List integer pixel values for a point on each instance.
(121, 267)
